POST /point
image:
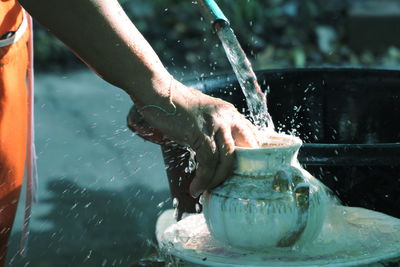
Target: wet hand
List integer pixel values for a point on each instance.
(209, 126)
(141, 127)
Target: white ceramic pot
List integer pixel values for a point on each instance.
(269, 201)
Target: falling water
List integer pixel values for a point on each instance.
(256, 100)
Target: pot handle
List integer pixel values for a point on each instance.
(301, 195)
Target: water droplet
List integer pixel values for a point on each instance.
(175, 202)
(198, 208)
(201, 199)
(89, 255)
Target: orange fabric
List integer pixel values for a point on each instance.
(13, 119)
(11, 16)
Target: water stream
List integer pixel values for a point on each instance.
(349, 236)
(255, 98)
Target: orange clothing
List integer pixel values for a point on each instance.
(11, 16)
(14, 60)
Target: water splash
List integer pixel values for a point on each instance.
(255, 98)
(350, 237)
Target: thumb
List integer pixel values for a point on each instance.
(245, 135)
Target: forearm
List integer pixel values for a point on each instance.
(101, 34)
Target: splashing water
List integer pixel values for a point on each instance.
(256, 100)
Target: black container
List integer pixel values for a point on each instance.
(349, 120)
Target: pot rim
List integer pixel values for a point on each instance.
(290, 141)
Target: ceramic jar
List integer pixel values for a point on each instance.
(269, 201)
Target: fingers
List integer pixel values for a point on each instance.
(215, 154)
(226, 147)
(245, 134)
(207, 158)
(214, 166)
(138, 125)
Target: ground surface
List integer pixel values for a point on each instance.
(100, 187)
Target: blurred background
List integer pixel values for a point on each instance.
(101, 187)
(274, 34)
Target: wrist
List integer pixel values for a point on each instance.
(156, 95)
(151, 86)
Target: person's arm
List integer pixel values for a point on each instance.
(101, 34)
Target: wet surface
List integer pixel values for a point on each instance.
(100, 187)
(93, 227)
(350, 237)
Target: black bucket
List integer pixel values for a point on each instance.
(349, 120)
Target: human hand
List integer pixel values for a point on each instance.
(209, 126)
(140, 126)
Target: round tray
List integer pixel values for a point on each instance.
(350, 237)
